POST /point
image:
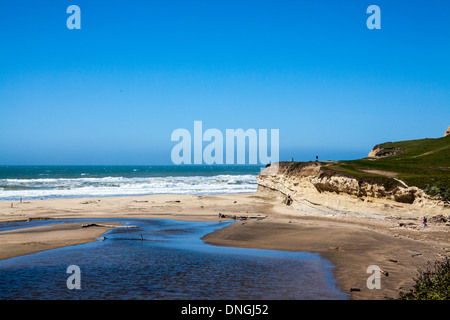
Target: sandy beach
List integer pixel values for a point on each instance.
(399, 244)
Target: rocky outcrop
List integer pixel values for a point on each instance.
(381, 151)
(447, 132)
(312, 184)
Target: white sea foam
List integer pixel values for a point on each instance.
(13, 189)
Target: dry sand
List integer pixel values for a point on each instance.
(398, 244)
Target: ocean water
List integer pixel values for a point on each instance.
(43, 182)
(165, 260)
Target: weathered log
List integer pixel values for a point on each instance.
(87, 225)
(235, 217)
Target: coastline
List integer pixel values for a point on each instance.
(351, 243)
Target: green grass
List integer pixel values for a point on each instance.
(422, 163)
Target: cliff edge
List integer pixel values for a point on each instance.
(412, 176)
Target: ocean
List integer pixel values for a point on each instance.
(50, 182)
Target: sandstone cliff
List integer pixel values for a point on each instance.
(312, 188)
(447, 132)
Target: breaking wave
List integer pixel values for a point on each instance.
(13, 189)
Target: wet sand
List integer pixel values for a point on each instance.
(25, 241)
(352, 248)
(398, 244)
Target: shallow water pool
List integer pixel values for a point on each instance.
(165, 259)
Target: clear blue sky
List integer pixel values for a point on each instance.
(113, 92)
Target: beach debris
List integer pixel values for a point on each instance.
(175, 201)
(393, 260)
(12, 205)
(404, 224)
(87, 225)
(438, 219)
(384, 272)
(235, 217)
(415, 255)
(37, 218)
(355, 289)
(88, 202)
(140, 200)
(234, 201)
(337, 248)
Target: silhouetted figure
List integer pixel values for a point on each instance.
(287, 200)
(424, 221)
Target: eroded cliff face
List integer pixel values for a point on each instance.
(447, 132)
(310, 185)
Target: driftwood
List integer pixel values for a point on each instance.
(393, 260)
(91, 201)
(37, 218)
(235, 217)
(87, 225)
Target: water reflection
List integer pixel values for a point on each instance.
(166, 259)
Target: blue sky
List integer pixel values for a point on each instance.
(114, 91)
